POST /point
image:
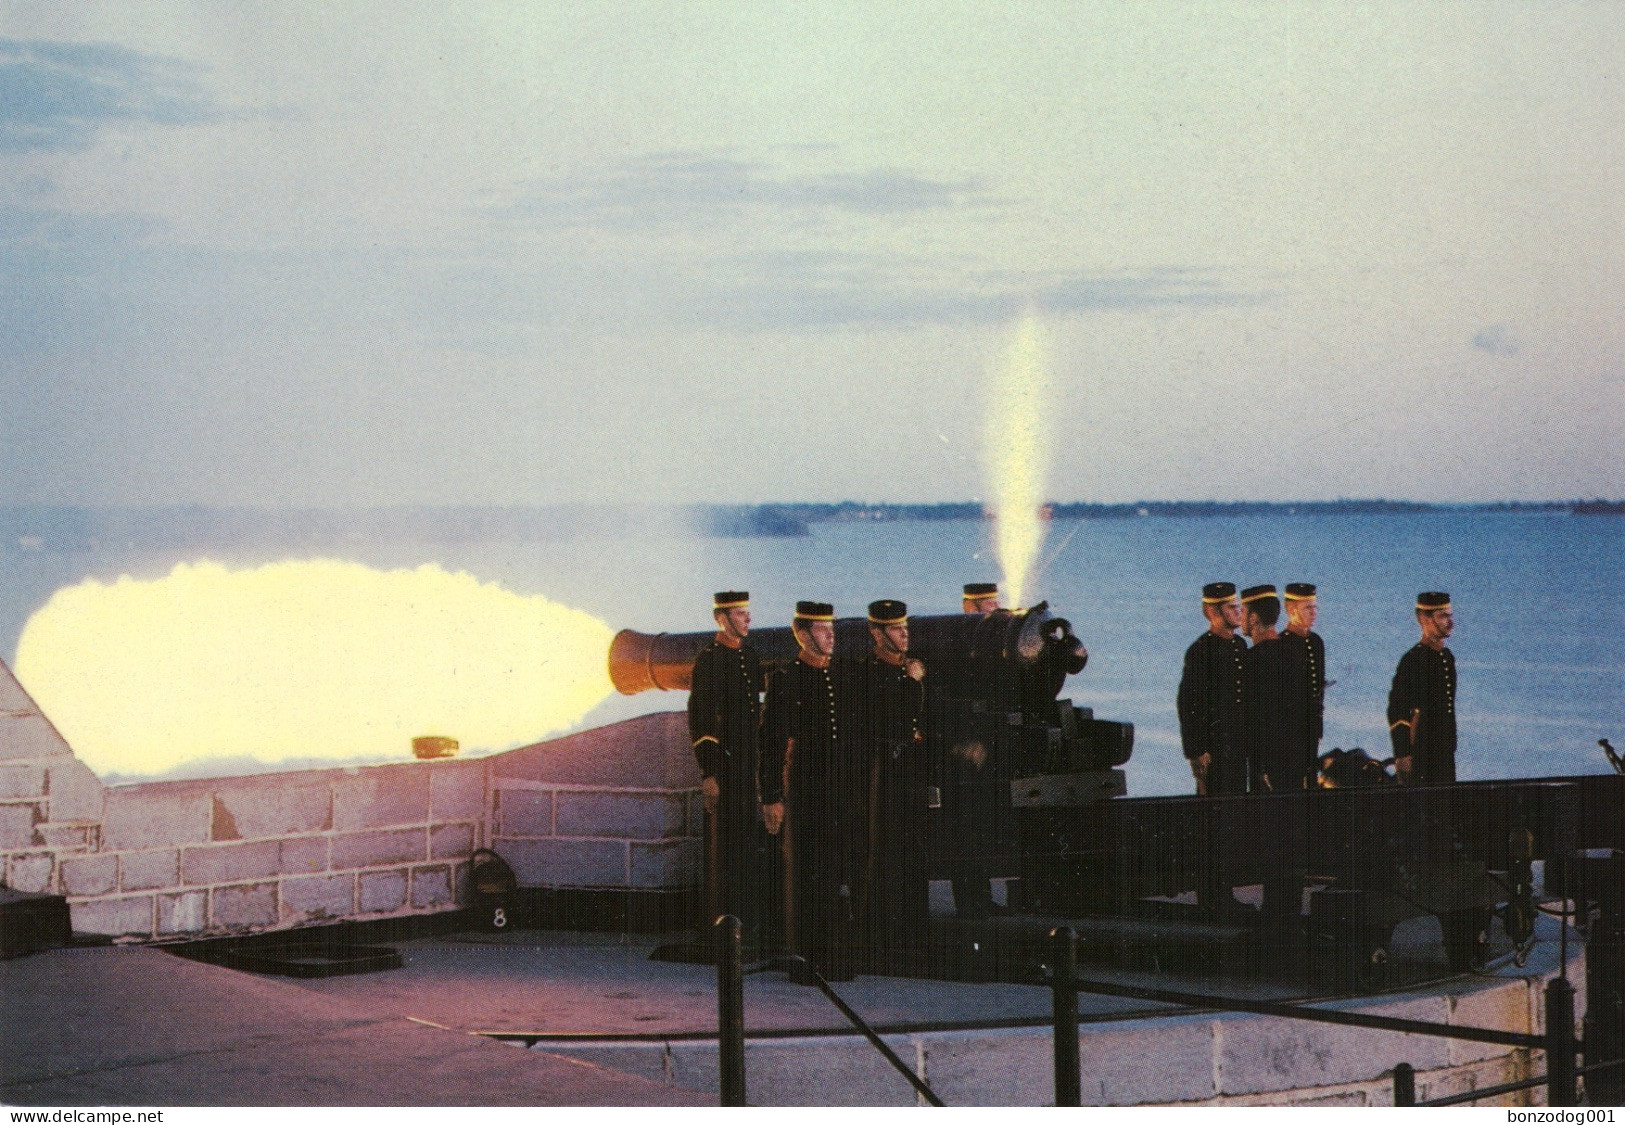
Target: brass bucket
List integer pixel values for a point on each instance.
(434, 746)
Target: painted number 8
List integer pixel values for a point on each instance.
(499, 918)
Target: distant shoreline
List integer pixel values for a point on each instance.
(25, 529)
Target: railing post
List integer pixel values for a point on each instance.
(1064, 1005)
(730, 1009)
(1605, 976)
(1404, 1085)
(1560, 1046)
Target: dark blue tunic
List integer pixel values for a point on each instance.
(1422, 713)
(1210, 711)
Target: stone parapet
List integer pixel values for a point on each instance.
(614, 807)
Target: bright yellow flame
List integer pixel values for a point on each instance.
(1018, 456)
(304, 659)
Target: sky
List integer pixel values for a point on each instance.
(368, 253)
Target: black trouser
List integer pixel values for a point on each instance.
(1226, 777)
(821, 885)
(742, 870)
(1431, 766)
(1283, 887)
(897, 909)
(1227, 774)
(972, 810)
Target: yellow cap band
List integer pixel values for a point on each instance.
(817, 617)
(732, 605)
(1431, 608)
(1260, 597)
(1219, 601)
(1300, 597)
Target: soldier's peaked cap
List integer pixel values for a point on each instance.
(815, 611)
(887, 612)
(730, 599)
(1257, 593)
(1216, 592)
(1300, 591)
(981, 589)
(1433, 599)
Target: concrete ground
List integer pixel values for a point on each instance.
(131, 1025)
(591, 986)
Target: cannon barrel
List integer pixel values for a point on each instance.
(1031, 640)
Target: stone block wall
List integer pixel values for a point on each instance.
(278, 850)
(50, 803)
(612, 808)
(599, 809)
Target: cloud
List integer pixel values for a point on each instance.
(59, 96)
(1498, 339)
(74, 280)
(710, 239)
(753, 288)
(692, 188)
(1174, 286)
(800, 292)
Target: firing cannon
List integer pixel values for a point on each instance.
(996, 675)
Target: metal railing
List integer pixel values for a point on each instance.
(1405, 1086)
(1559, 1041)
(1559, 1044)
(731, 1017)
(1604, 870)
(730, 1009)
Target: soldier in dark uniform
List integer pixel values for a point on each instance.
(970, 795)
(812, 777)
(1209, 704)
(891, 687)
(1210, 697)
(1274, 700)
(1422, 700)
(1422, 725)
(980, 597)
(724, 714)
(1309, 653)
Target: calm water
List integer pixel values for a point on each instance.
(1540, 608)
